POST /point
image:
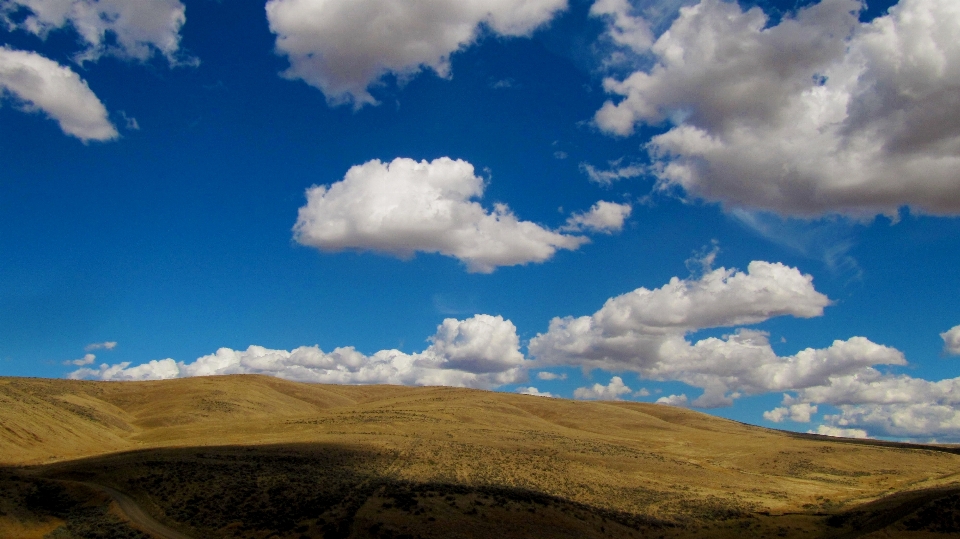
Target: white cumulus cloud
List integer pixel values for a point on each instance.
(888, 404)
(818, 114)
(625, 28)
(645, 331)
(745, 363)
(405, 206)
(343, 47)
(39, 84)
(673, 400)
(920, 419)
(951, 340)
(480, 352)
(127, 29)
(480, 344)
(610, 392)
(605, 217)
(630, 329)
(799, 413)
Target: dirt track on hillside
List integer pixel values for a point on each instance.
(137, 515)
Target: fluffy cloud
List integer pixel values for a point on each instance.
(673, 400)
(628, 332)
(645, 331)
(481, 352)
(343, 47)
(797, 412)
(870, 386)
(625, 29)
(610, 392)
(40, 84)
(134, 30)
(745, 363)
(880, 404)
(546, 375)
(481, 344)
(951, 340)
(886, 404)
(108, 345)
(605, 217)
(914, 420)
(818, 114)
(405, 206)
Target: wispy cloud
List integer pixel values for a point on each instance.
(106, 345)
(616, 171)
(828, 239)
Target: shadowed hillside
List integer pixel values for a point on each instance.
(252, 456)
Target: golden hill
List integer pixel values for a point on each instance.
(254, 456)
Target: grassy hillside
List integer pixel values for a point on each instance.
(251, 456)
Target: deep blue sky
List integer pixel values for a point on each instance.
(174, 239)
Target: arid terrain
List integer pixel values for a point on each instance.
(259, 457)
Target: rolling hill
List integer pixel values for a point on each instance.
(254, 456)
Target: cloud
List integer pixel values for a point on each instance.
(745, 363)
(819, 114)
(343, 47)
(634, 24)
(605, 217)
(829, 239)
(130, 30)
(703, 259)
(875, 402)
(644, 331)
(870, 386)
(799, 413)
(840, 432)
(614, 173)
(625, 29)
(629, 328)
(87, 359)
(951, 341)
(545, 375)
(910, 420)
(40, 84)
(405, 206)
(887, 404)
(533, 391)
(480, 344)
(129, 122)
(673, 400)
(480, 352)
(610, 392)
(107, 345)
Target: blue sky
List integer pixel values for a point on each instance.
(420, 192)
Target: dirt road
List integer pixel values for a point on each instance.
(137, 516)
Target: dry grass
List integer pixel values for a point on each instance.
(251, 456)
